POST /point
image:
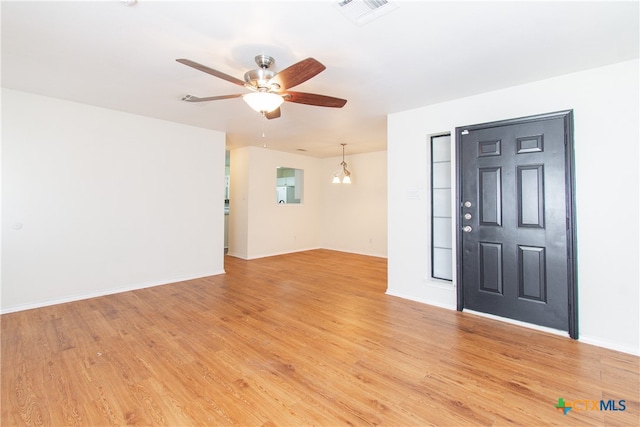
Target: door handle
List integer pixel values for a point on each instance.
(467, 229)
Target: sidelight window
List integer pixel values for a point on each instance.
(441, 219)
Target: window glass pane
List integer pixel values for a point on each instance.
(442, 266)
(441, 217)
(442, 233)
(441, 175)
(441, 148)
(441, 202)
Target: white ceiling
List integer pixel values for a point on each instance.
(122, 57)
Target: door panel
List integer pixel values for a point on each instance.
(490, 200)
(530, 196)
(515, 256)
(491, 267)
(532, 273)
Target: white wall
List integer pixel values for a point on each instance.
(97, 201)
(259, 226)
(605, 103)
(354, 217)
(238, 203)
(348, 218)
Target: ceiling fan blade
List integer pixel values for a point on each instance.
(211, 71)
(192, 98)
(297, 73)
(313, 99)
(273, 114)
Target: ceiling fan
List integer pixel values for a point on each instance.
(268, 88)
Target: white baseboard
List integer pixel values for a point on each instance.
(351, 251)
(420, 300)
(582, 338)
(611, 346)
(236, 255)
(111, 291)
(270, 254)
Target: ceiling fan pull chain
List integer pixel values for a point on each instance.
(264, 126)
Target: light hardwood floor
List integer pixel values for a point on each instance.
(303, 339)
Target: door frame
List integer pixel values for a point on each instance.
(572, 266)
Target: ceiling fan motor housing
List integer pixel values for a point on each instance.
(257, 79)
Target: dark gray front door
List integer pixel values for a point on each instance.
(515, 239)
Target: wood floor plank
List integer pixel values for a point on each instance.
(301, 339)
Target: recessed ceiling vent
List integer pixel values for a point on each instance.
(361, 12)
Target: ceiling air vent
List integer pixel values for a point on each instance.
(362, 11)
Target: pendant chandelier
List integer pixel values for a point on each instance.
(344, 172)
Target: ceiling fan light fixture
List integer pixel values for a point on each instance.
(263, 102)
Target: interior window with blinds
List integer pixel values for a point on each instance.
(441, 220)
